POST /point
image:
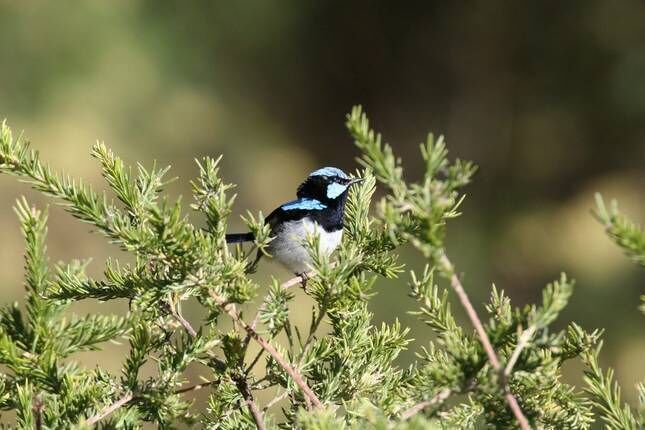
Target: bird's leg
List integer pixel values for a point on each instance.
(252, 267)
(305, 277)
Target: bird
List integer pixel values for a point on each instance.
(318, 209)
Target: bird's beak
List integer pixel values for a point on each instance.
(355, 181)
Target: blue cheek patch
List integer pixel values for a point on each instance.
(334, 190)
(304, 205)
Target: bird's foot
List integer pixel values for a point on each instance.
(305, 277)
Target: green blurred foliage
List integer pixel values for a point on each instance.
(547, 97)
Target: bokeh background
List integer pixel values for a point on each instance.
(548, 98)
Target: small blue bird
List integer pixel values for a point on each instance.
(319, 208)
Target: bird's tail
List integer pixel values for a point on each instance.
(239, 237)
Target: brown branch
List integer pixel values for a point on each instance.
(310, 396)
(243, 387)
(483, 337)
(109, 409)
(439, 398)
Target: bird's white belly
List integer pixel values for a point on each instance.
(288, 247)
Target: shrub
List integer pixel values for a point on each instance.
(505, 373)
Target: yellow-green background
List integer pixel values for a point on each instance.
(547, 97)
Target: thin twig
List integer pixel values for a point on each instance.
(181, 320)
(310, 396)
(109, 409)
(523, 340)
(254, 361)
(129, 397)
(483, 337)
(439, 398)
(243, 387)
(196, 387)
(276, 400)
(189, 328)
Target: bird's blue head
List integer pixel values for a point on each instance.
(327, 184)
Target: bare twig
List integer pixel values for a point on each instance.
(439, 398)
(483, 337)
(310, 396)
(109, 409)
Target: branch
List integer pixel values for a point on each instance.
(455, 283)
(242, 385)
(297, 280)
(276, 400)
(180, 319)
(440, 397)
(310, 396)
(129, 397)
(109, 409)
(196, 387)
(257, 357)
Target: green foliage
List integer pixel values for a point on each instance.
(603, 391)
(345, 376)
(605, 394)
(626, 234)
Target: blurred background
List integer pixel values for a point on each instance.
(548, 98)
